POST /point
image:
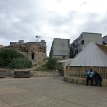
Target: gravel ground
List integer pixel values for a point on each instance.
(49, 92)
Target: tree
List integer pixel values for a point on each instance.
(51, 63)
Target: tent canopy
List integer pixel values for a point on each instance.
(92, 55)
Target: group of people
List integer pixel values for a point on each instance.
(93, 77)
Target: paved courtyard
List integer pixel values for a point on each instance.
(49, 92)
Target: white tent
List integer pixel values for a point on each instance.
(92, 55)
(66, 62)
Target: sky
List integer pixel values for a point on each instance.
(66, 19)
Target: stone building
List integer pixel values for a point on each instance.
(1, 46)
(35, 51)
(19, 42)
(60, 48)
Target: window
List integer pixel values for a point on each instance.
(33, 56)
(82, 42)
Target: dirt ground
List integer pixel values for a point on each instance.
(49, 92)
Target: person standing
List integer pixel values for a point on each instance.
(98, 79)
(89, 77)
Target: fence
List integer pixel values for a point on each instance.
(79, 71)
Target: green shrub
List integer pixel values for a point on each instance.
(51, 63)
(10, 54)
(13, 59)
(2, 62)
(41, 68)
(20, 63)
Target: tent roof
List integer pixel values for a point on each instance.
(92, 55)
(66, 61)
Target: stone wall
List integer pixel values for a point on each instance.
(45, 74)
(36, 53)
(22, 74)
(5, 73)
(77, 74)
(81, 80)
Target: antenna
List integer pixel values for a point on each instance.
(37, 37)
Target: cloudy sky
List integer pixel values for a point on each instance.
(25, 19)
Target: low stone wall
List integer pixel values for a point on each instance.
(45, 74)
(104, 82)
(81, 80)
(4, 73)
(15, 73)
(75, 80)
(22, 74)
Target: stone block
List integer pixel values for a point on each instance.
(4, 73)
(22, 74)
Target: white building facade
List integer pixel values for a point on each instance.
(83, 40)
(60, 48)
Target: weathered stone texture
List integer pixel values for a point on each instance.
(35, 52)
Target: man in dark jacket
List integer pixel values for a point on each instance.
(97, 78)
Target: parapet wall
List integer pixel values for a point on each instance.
(81, 80)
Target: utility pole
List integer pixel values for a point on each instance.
(37, 37)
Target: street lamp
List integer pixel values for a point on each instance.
(37, 37)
